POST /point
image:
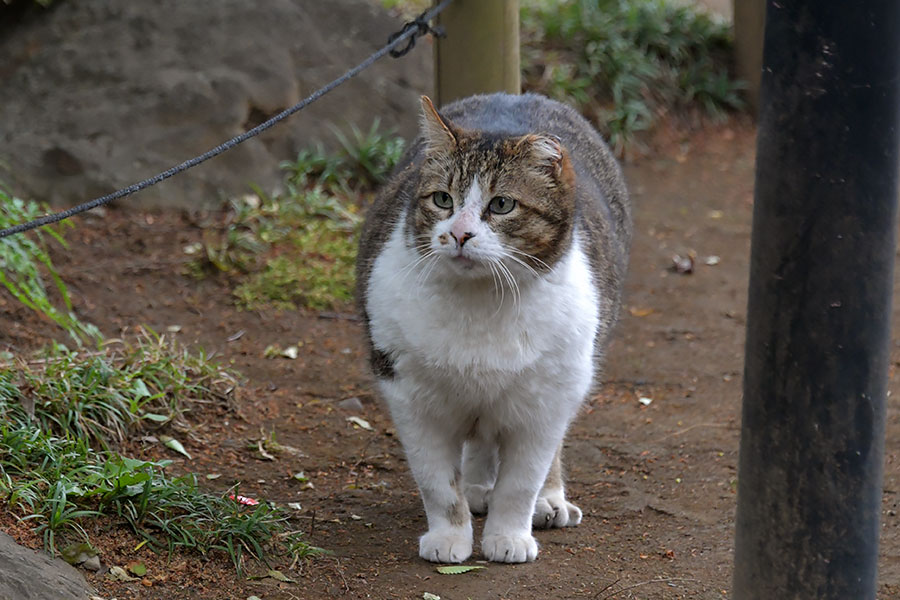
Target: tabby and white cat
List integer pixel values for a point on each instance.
(490, 272)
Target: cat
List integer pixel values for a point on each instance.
(489, 276)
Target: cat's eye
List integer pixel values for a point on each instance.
(500, 205)
(442, 200)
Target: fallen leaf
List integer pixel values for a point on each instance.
(118, 574)
(639, 311)
(295, 505)
(174, 444)
(272, 351)
(173, 328)
(301, 477)
(430, 596)
(155, 417)
(279, 576)
(360, 422)
(137, 568)
(291, 352)
(213, 475)
(645, 401)
(712, 260)
(457, 569)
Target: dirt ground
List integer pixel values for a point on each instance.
(656, 480)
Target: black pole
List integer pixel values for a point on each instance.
(818, 325)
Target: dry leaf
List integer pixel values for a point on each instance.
(359, 422)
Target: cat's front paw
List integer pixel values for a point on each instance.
(514, 548)
(553, 510)
(478, 496)
(452, 545)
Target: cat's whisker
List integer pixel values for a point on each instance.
(498, 285)
(427, 270)
(513, 285)
(514, 250)
(405, 271)
(524, 264)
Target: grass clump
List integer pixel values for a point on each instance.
(103, 396)
(24, 261)
(298, 248)
(625, 62)
(61, 415)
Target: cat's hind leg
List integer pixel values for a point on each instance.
(552, 509)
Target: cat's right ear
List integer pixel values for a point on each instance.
(439, 134)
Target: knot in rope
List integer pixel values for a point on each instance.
(421, 27)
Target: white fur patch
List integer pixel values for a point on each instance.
(516, 364)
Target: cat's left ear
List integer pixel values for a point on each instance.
(439, 133)
(547, 152)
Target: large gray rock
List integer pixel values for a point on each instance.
(29, 575)
(98, 94)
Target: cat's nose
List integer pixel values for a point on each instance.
(463, 238)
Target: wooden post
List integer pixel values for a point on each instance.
(749, 25)
(481, 51)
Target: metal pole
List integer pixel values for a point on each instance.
(481, 51)
(818, 324)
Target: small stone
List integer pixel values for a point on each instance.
(352, 404)
(92, 564)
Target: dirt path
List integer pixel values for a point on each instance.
(656, 481)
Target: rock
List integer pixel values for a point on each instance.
(353, 404)
(29, 575)
(98, 95)
(91, 564)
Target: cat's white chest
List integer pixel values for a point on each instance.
(460, 329)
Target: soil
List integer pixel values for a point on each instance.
(656, 477)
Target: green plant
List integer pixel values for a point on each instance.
(622, 62)
(365, 160)
(298, 248)
(101, 396)
(23, 262)
(54, 407)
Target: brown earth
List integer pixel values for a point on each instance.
(656, 482)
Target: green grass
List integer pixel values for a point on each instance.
(62, 414)
(104, 396)
(25, 263)
(625, 62)
(297, 248)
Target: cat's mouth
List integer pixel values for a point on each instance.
(464, 262)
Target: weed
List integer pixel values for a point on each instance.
(298, 248)
(55, 406)
(101, 396)
(622, 62)
(23, 261)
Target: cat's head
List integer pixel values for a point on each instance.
(485, 199)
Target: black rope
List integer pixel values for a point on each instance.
(419, 27)
(410, 32)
